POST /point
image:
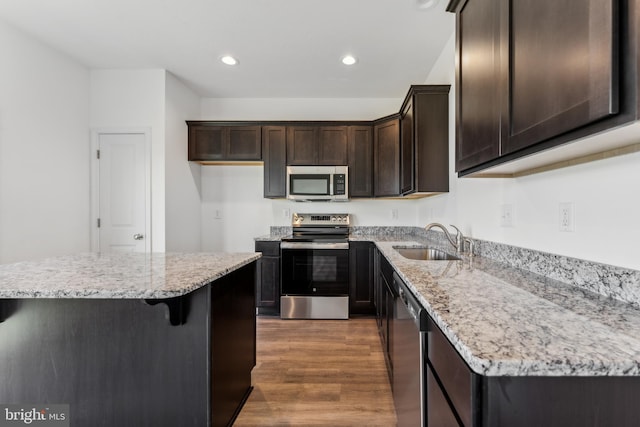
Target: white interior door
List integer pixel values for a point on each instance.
(123, 190)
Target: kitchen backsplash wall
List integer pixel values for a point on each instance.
(234, 210)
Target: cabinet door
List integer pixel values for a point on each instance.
(244, 143)
(431, 139)
(361, 295)
(360, 161)
(455, 377)
(478, 83)
(268, 278)
(268, 293)
(225, 143)
(207, 142)
(302, 145)
(386, 169)
(562, 68)
(406, 148)
(332, 145)
(274, 154)
(439, 413)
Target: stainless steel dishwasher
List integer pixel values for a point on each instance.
(409, 327)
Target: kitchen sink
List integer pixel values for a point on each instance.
(425, 254)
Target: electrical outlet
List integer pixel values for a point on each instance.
(394, 213)
(218, 214)
(566, 217)
(506, 215)
(286, 213)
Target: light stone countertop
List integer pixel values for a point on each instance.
(117, 275)
(506, 321)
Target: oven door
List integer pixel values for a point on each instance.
(315, 269)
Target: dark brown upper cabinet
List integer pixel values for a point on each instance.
(386, 156)
(401, 154)
(360, 156)
(317, 145)
(332, 145)
(427, 106)
(407, 146)
(219, 143)
(562, 71)
(274, 154)
(302, 145)
(536, 74)
(478, 82)
(411, 149)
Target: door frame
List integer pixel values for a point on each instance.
(95, 182)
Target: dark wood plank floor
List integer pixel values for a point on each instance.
(319, 373)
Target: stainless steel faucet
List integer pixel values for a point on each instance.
(458, 244)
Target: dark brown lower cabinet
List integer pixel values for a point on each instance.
(361, 278)
(454, 395)
(455, 392)
(268, 278)
(182, 361)
(439, 413)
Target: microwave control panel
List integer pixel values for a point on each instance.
(339, 184)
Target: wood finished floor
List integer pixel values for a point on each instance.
(318, 373)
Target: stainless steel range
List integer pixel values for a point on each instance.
(315, 267)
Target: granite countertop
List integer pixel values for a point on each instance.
(117, 275)
(506, 321)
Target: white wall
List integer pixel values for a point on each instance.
(44, 150)
(298, 108)
(182, 178)
(236, 191)
(604, 194)
(136, 99)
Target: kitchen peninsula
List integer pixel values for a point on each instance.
(130, 339)
(506, 345)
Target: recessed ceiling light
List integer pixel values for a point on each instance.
(348, 60)
(426, 4)
(229, 60)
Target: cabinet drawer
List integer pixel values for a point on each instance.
(452, 371)
(268, 248)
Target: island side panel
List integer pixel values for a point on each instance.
(116, 362)
(233, 343)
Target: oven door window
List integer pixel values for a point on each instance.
(315, 272)
(310, 185)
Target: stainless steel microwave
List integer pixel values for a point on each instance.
(318, 183)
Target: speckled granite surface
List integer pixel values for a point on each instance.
(505, 321)
(93, 275)
(580, 318)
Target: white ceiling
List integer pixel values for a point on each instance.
(285, 48)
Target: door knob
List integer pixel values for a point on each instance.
(138, 237)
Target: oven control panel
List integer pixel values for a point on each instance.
(332, 219)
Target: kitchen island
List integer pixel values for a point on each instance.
(130, 339)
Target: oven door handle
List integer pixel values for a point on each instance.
(313, 245)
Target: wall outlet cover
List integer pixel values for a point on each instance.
(507, 215)
(566, 219)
